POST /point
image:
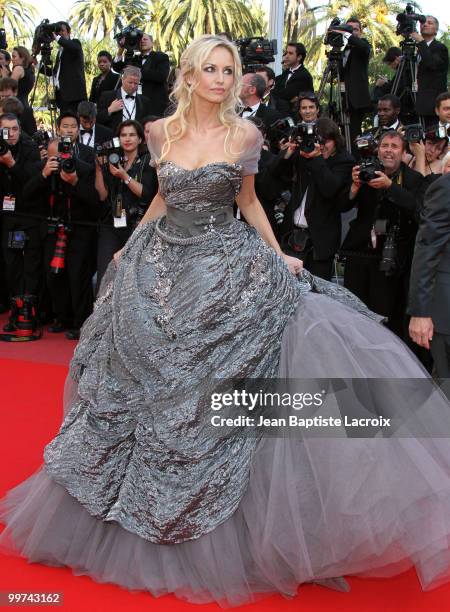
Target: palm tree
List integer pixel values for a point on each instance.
(17, 16)
(299, 22)
(183, 20)
(103, 17)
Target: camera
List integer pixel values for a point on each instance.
(65, 155)
(4, 146)
(334, 39)
(414, 132)
(306, 135)
(256, 51)
(407, 21)
(43, 36)
(280, 206)
(41, 138)
(132, 39)
(3, 41)
(370, 164)
(110, 152)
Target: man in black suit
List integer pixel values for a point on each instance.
(432, 69)
(124, 103)
(270, 99)
(388, 207)
(253, 88)
(68, 71)
(91, 133)
(155, 68)
(355, 63)
(8, 91)
(107, 80)
(311, 229)
(295, 78)
(429, 294)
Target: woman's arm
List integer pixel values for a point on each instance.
(100, 183)
(17, 73)
(254, 213)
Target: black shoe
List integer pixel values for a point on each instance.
(56, 328)
(9, 327)
(73, 334)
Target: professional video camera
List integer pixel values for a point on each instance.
(370, 164)
(334, 39)
(407, 21)
(132, 37)
(110, 152)
(3, 41)
(4, 146)
(43, 37)
(305, 134)
(256, 51)
(65, 155)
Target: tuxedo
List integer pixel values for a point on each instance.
(109, 83)
(68, 73)
(288, 88)
(429, 294)
(274, 102)
(141, 107)
(265, 114)
(155, 68)
(98, 135)
(431, 75)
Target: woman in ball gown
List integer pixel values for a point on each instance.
(135, 490)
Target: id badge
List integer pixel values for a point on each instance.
(9, 203)
(121, 221)
(373, 238)
(139, 90)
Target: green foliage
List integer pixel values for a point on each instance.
(17, 17)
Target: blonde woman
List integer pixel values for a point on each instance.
(140, 487)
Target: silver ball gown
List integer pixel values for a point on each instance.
(133, 491)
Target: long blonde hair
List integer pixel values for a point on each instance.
(191, 62)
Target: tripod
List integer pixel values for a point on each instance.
(337, 105)
(404, 85)
(45, 68)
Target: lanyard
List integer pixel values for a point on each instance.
(126, 111)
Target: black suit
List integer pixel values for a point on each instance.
(431, 77)
(324, 179)
(109, 83)
(429, 294)
(155, 68)
(267, 115)
(356, 78)
(100, 135)
(113, 120)
(300, 81)
(276, 103)
(72, 83)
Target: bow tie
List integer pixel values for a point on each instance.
(83, 132)
(247, 108)
(130, 97)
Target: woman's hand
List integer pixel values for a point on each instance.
(117, 255)
(295, 265)
(118, 172)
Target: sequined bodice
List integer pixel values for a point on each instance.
(199, 189)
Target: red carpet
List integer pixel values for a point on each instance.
(31, 381)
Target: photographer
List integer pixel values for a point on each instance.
(388, 113)
(380, 242)
(442, 109)
(125, 188)
(107, 80)
(155, 68)
(68, 71)
(65, 181)
(432, 69)
(312, 223)
(91, 133)
(5, 60)
(383, 85)
(21, 236)
(308, 107)
(8, 89)
(355, 63)
(124, 103)
(427, 156)
(295, 77)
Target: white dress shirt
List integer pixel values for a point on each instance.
(253, 112)
(129, 108)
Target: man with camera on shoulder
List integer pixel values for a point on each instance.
(65, 180)
(68, 71)
(21, 234)
(380, 242)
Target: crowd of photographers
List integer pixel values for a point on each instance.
(342, 180)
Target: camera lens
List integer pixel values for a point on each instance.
(114, 159)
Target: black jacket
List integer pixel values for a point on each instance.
(356, 73)
(72, 83)
(267, 115)
(12, 180)
(274, 102)
(429, 294)
(400, 205)
(109, 83)
(155, 70)
(431, 75)
(300, 81)
(101, 135)
(113, 120)
(325, 179)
